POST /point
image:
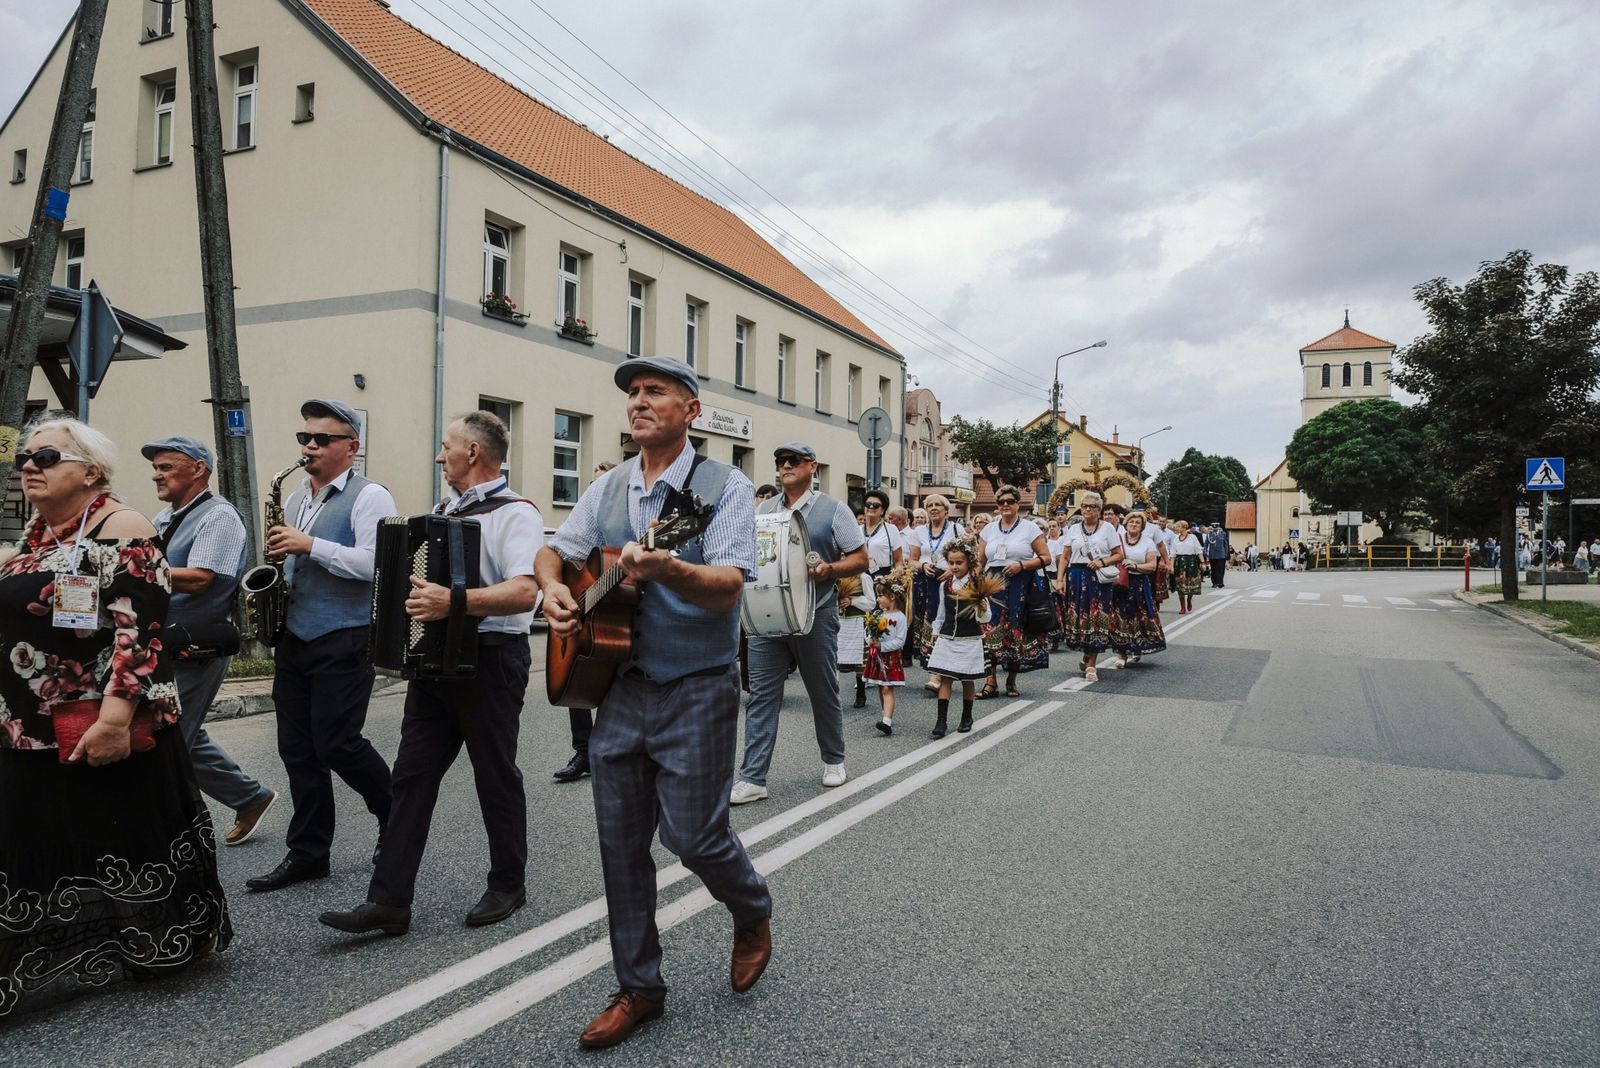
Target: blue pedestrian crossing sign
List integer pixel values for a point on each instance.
(1546, 473)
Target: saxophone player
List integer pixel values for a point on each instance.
(323, 676)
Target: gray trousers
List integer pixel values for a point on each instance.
(662, 757)
(214, 770)
(816, 655)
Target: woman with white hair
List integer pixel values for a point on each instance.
(1094, 548)
(106, 851)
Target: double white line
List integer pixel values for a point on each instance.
(505, 1003)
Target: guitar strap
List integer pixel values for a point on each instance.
(680, 501)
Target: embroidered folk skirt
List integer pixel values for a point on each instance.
(958, 658)
(924, 606)
(104, 873)
(1137, 628)
(1186, 575)
(883, 669)
(1089, 623)
(1010, 647)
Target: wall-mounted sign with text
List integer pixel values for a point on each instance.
(722, 421)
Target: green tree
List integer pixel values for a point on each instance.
(1197, 486)
(1003, 454)
(1361, 456)
(1509, 370)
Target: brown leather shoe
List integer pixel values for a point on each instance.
(246, 820)
(752, 948)
(628, 1009)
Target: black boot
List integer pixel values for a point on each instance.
(966, 718)
(861, 692)
(943, 725)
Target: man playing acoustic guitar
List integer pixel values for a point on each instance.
(663, 742)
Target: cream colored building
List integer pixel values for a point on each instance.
(380, 186)
(1346, 365)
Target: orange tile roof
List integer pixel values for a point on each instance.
(1347, 337)
(1241, 515)
(473, 102)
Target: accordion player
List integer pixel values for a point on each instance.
(438, 549)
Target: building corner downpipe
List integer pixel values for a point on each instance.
(438, 312)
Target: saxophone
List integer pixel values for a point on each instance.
(264, 591)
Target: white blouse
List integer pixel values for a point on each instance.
(1054, 545)
(1005, 547)
(1140, 551)
(1188, 545)
(1096, 546)
(930, 549)
(881, 544)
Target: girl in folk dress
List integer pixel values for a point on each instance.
(928, 544)
(886, 637)
(1138, 625)
(885, 548)
(1094, 547)
(1186, 566)
(958, 645)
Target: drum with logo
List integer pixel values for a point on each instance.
(782, 600)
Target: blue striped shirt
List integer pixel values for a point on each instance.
(729, 540)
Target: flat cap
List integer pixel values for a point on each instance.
(799, 448)
(330, 409)
(190, 447)
(664, 365)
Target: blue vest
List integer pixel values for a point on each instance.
(214, 604)
(819, 525)
(321, 602)
(671, 637)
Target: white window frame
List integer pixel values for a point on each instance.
(884, 386)
(852, 391)
(244, 96)
(569, 281)
(159, 20)
(1064, 454)
(636, 299)
(783, 368)
(741, 342)
(164, 112)
(75, 263)
(820, 385)
(83, 165)
(19, 166)
(691, 334)
(575, 472)
(496, 254)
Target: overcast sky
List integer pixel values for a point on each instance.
(1206, 186)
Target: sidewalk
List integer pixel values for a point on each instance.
(253, 697)
(1544, 625)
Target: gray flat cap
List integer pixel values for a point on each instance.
(190, 447)
(799, 448)
(330, 409)
(665, 365)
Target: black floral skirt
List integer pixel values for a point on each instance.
(104, 873)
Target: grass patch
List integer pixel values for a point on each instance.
(1581, 618)
(1492, 588)
(249, 667)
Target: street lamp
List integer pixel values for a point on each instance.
(1055, 402)
(1140, 447)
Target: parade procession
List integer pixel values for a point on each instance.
(833, 686)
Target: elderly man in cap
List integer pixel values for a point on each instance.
(323, 677)
(204, 540)
(661, 754)
(837, 539)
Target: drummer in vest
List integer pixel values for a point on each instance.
(838, 540)
(484, 712)
(661, 754)
(322, 677)
(204, 540)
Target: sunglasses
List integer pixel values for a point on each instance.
(45, 458)
(789, 460)
(1007, 500)
(322, 440)
(874, 506)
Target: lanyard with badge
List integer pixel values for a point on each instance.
(77, 597)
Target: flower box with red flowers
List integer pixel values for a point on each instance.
(500, 306)
(576, 329)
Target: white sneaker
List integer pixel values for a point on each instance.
(745, 792)
(833, 775)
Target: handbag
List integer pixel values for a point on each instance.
(1039, 610)
(1111, 573)
(72, 719)
(1122, 577)
(202, 641)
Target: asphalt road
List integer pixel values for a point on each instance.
(1343, 823)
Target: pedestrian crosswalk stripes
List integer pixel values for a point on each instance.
(1308, 596)
(1354, 598)
(1266, 593)
(1270, 595)
(1399, 600)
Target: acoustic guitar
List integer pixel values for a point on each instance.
(579, 668)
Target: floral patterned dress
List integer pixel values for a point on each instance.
(113, 872)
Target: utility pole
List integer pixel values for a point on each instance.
(216, 274)
(49, 214)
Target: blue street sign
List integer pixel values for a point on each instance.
(235, 422)
(1546, 474)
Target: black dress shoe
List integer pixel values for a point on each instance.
(494, 906)
(288, 872)
(369, 916)
(576, 768)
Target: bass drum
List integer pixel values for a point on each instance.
(782, 600)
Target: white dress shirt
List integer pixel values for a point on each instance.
(510, 537)
(373, 503)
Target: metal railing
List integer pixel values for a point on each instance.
(1372, 557)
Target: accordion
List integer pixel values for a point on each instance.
(439, 549)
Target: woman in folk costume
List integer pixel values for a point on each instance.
(1137, 629)
(1054, 541)
(1186, 566)
(928, 545)
(1012, 548)
(1094, 548)
(958, 631)
(885, 550)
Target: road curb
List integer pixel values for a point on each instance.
(257, 704)
(1532, 623)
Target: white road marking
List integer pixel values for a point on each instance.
(1308, 597)
(1363, 606)
(1399, 600)
(1445, 602)
(475, 1019)
(1403, 608)
(1312, 604)
(1266, 593)
(1354, 598)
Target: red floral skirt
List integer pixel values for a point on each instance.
(883, 669)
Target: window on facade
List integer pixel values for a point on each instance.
(166, 98)
(885, 394)
(824, 387)
(820, 479)
(635, 317)
(305, 102)
(1344, 379)
(14, 257)
(1064, 454)
(496, 261)
(784, 368)
(693, 313)
(1366, 373)
(1327, 375)
(852, 393)
(158, 18)
(569, 272)
(566, 466)
(744, 459)
(19, 166)
(83, 170)
(741, 346)
(507, 413)
(244, 106)
(75, 250)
